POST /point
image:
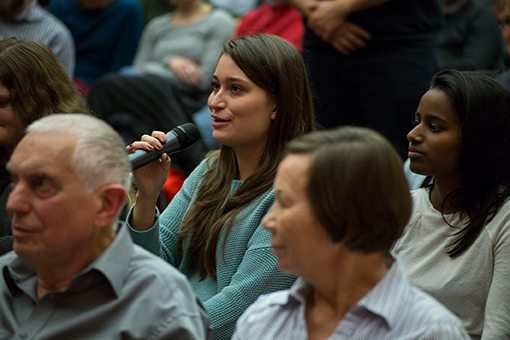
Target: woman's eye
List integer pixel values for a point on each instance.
(434, 128)
(215, 86)
(235, 89)
(415, 122)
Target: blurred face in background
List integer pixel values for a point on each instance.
(11, 7)
(94, 4)
(10, 131)
(505, 20)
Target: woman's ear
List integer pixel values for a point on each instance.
(273, 113)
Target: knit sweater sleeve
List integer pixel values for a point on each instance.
(161, 239)
(256, 275)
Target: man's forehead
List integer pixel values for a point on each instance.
(39, 150)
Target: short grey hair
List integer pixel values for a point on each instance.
(99, 157)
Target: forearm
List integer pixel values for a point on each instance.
(348, 6)
(144, 213)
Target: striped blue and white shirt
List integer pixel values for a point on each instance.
(392, 310)
(36, 23)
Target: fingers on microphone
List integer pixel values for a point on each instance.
(160, 135)
(152, 141)
(140, 145)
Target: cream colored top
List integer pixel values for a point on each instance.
(475, 285)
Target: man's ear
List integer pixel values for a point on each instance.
(111, 198)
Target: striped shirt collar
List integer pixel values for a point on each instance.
(383, 299)
(32, 13)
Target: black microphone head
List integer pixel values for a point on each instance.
(186, 134)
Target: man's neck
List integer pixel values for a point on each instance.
(58, 275)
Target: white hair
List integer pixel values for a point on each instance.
(99, 157)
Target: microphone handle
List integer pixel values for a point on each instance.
(140, 157)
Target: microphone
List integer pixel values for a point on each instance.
(178, 139)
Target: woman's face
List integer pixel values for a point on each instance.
(241, 110)
(10, 132)
(435, 143)
(299, 241)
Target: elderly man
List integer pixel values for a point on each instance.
(75, 273)
(26, 19)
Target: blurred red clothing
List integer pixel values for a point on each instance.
(283, 21)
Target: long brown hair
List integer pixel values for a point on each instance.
(278, 68)
(37, 83)
(482, 106)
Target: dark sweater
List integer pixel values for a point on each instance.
(5, 221)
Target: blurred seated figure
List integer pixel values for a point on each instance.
(33, 84)
(274, 17)
(171, 76)
(105, 32)
(26, 19)
(504, 78)
(75, 272)
(470, 39)
(341, 202)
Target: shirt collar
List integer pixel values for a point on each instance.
(32, 13)
(384, 299)
(299, 291)
(113, 264)
(114, 261)
(17, 274)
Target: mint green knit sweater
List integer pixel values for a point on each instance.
(247, 269)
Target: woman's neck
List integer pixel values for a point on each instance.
(246, 166)
(186, 14)
(440, 194)
(247, 161)
(336, 290)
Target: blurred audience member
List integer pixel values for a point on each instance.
(470, 38)
(171, 76)
(33, 84)
(75, 273)
(273, 17)
(341, 202)
(370, 61)
(105, 32)
(26, 19)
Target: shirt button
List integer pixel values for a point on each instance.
(23, 335)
